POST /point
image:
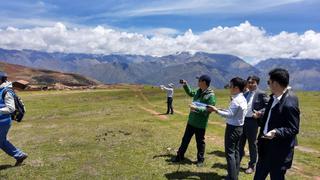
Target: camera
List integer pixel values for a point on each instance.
(181, 81)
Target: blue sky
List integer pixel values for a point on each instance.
(251, 29)
(136, 15)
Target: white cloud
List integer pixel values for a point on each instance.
(247, 41)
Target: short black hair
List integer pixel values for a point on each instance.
(3, 79)
(280, 75)
(255, 78)
(238, 82)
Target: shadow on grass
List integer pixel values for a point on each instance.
(6, 166)
(193, 175)
(162, 114)
(219, 166)
(242, 169)
(170, 158)
(218, 153)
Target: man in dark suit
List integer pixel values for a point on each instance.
(257, 101)
(279, 127)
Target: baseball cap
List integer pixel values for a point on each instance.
(205, 78)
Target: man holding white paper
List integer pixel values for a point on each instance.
(198, 117)
(279, 128)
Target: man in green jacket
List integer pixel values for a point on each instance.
(198, 117)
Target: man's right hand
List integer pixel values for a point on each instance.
(257, 114)
(211, 108)
(183, 82)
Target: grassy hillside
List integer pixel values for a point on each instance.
(119, 134)
(46, 77)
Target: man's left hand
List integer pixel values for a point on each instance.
(193, 108)
(270, 135)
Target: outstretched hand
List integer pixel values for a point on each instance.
(212, 108)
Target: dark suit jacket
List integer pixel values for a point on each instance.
(259, 101)
(285, 119)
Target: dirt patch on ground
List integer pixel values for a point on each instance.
(179, 112)
(307, 150)
(214, 139)
(297, 169)
(36, 163)
(155, 113)
(217, 123)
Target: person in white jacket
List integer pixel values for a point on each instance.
(169, 90)
(7, 106)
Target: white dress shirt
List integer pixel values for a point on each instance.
(249, 101)
(169, 91)
(275, 101)
(237, 110)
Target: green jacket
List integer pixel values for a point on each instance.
(199, 118)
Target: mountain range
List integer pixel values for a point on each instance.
(137, 69)
(304, 73)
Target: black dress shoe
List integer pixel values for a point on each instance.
(177, 159)
(200, 164)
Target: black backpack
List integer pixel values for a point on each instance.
(18, 114)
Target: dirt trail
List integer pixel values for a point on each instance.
(181, 113)
(217, 123)
(159, 115)
(307, 149)
(140, 93)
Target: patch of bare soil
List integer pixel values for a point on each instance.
(155, 113)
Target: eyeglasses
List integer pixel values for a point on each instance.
(250, 82)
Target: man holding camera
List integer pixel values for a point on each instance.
(198, 117)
